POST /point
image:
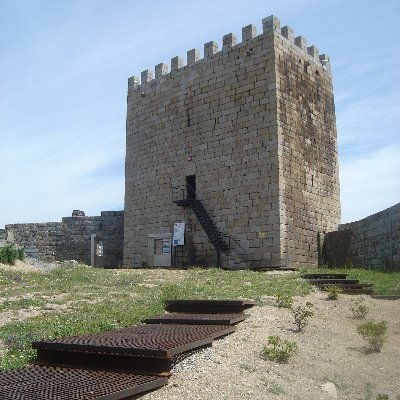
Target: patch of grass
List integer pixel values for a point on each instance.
(119, 299)
(386, 282)
(21, 304)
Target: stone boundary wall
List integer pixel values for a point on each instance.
(373, 241)
(70, 239)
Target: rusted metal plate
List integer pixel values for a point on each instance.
(272, 268)
(346, 285)
(332, 281)
(159, 366)
(358, 291)
(324, 276)
(146, 340)
(208, 306)
(50, 383)
(197, 319)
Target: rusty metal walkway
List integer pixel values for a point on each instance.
(209, 306)
(122, 363)
(348, 286)
(50, 383)
(197, 319)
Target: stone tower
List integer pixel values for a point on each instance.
(240, 146)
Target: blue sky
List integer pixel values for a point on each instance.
(63, 83)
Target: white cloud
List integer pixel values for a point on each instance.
(370, 184)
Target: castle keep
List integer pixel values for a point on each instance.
(240, 146)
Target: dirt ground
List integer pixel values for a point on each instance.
(332, 361)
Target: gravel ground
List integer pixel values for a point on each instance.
(32, 265)
(331, 363)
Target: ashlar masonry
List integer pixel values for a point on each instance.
(247, 137)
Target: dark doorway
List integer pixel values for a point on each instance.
(191, 186)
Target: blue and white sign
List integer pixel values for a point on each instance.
(179, 234)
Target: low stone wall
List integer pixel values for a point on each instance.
(371, 242)
(70, 239)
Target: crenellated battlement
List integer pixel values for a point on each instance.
(270, 25)
(251, 124)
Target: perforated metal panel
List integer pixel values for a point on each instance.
(197, 319)
(53, 383)
(151, 340)
(209, 306)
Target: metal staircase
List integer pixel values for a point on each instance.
(186, 197)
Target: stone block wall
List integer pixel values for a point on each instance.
(71, 238)
(308, 155)
(373, 241)
(235, 119)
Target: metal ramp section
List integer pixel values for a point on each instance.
(124, 363)
(197, 319)
(164, 341)
(209, 306)
(50, 383)
(348, 286)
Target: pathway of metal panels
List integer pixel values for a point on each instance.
(348, 286)
(122, 363)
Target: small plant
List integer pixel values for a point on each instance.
(382, 397)
(283, 300)
(9, 254)
(247, 368)
(302, 315)
(279, 349)
(374, 333)
(333, 292)
(359, 308)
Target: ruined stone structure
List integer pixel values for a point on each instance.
(247, 137)
(373, 241)
(73, 238)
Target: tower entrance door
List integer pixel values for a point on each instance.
(159, 250)
(191, 186)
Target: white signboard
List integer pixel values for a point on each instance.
(179, 234)
(166, 246)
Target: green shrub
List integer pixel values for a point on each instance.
(359, 308)
(333, 292)
(279, 349)
(283, 300)
(382, 397)
(302, 315)
(374, 333)
(9, 254)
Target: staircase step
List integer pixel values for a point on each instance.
(324, 276)
(358, 291)
(272, 268)
(347, 285)
(332, 281)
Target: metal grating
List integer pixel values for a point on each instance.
(197, 319)
(50, 383)
(209, 306)
(324, 276)
(152, 340)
